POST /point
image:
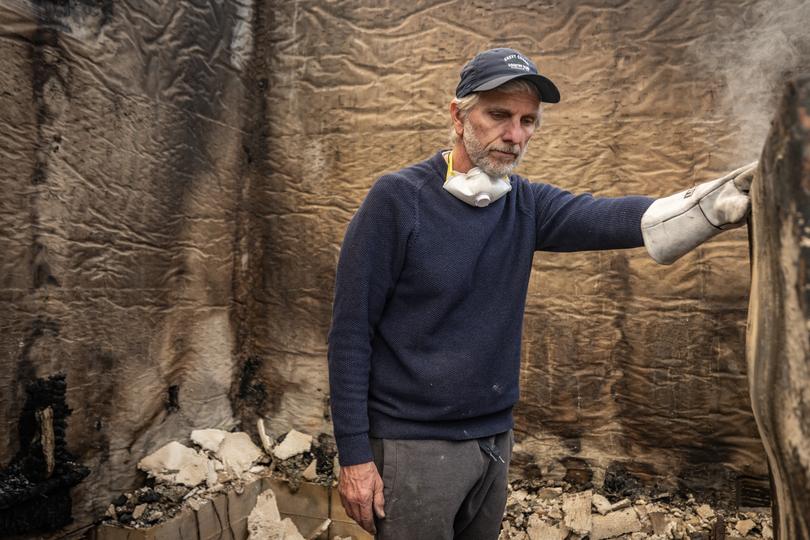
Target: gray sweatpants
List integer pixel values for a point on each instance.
(443, 490)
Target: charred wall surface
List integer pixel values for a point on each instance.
(178, 178)
(124, 183)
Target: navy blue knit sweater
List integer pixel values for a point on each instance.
(429, 301)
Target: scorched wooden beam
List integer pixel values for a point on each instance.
(779, 316)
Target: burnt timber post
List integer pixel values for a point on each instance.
(778, 349)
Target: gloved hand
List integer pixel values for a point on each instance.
(674, 225)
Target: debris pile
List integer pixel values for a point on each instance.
(546, 512)
(181, 476)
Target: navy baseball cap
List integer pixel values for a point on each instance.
(492, 68)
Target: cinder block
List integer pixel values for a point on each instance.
(310, 500)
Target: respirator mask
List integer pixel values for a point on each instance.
(475, 187)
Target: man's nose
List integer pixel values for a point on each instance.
(514, 133)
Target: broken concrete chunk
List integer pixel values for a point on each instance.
(576, 509)
(744, 526)
(267, 444)
(265, 523)
(294, 443)
(705, 511)
(138, 511)
(208, 439)
(176, 464)
(601, 504)
(540, 530)
(267, 504)
(518, 495)
(615, 524)
(624, 503)
(238, 453)
(311, 472)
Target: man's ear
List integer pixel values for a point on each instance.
(458, 122)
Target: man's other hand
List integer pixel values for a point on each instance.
(361, 492)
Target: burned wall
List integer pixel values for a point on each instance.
(178, 180)
(124, 186)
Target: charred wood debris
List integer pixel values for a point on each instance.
(35, 486)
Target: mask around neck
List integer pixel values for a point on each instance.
(475, 187)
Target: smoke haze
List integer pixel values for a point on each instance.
(767, 44)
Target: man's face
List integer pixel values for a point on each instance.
(498, 128)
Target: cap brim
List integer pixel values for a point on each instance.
(547, 90)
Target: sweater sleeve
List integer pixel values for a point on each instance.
(567, 222)
(371, 259)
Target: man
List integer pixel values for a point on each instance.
(424, 350)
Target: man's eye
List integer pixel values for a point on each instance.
(528, 121)
(498, 115)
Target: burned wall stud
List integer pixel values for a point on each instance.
(35, 487)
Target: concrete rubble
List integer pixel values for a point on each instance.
(538, 511)
(576, 508)
(238, 453)
(265, 522)
(175, 463)
(293, 444)
(311, 472)
(183, 477)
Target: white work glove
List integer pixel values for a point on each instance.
(674, 225)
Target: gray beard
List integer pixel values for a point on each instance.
(479, 154)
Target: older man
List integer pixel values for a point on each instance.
(424, 350)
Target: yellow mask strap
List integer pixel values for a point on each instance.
(449, 167)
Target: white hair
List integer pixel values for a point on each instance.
(515, 86)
